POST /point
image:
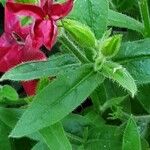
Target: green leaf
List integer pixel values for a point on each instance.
(94, 119)
(74, 126)
(35, 70)
(77, 147)
(112, 102)
(42, 84)
(9, 93)
(65, 94)
(119, 74)
(113, 90)
(3, 2)
(4, 141)
(40, 146)
(54, 136)
(135, 57)
(145, 144)
(103, 138)
(10, 116)
(142, 96)
(92, 13)
(98, 97)
(117, 19)
(131, 137)
(25, 20)
(135, 50)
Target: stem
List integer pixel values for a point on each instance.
(73, 48)
(144, 10)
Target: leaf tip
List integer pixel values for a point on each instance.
(12, 135)
(15, 133)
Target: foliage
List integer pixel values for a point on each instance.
(75, 75)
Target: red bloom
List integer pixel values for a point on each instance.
(15, 48)
(45, 29)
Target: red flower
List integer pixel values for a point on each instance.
(16, 47)
(45, 28)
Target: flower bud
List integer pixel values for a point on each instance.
(82, 34)
(111, 46)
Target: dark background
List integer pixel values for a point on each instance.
(1, 18)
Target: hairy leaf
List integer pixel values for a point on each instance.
(135, 57)
(117, 19)
(55, 137)
(104, 138)
(92, 13)
(131, 137)
(57, 100)
(34, 70)
(119, 74)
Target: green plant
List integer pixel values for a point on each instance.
(93, 92)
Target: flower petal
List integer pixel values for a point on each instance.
(30, 87)
(25, 9)
(3, 51)
(36, 35)
(10, 20)
(31, 55)
(46, 5)
(61, 10)
(45, 32)
(12, 25)
(49, 31)
(11, 57)
(43, 2)
(6, 40)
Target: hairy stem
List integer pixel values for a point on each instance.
(71, 47)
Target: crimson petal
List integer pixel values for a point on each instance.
(10, 20)
(25, 9)
(45, 32)
(12, 25)
(11, 57)
(3, 51)
(6, 40)
(61, 10)
(31, 55)
(30, 87)
(36, 35)
(53, 35)
(46, 5)
(49, 31)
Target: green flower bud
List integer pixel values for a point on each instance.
(82, 34)
(111, 46)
